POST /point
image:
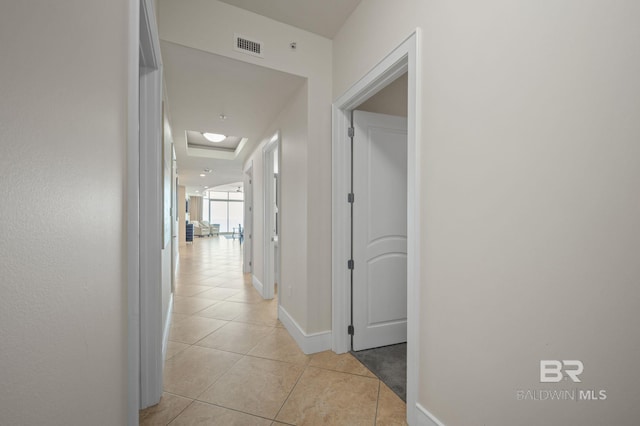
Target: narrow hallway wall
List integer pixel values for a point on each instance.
(530, 213)
(63, 133)
(293, 128)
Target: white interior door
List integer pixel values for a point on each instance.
(379, 230)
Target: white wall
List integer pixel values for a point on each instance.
(63, 132)
(391, 100)
(531, 217)
(293, 126)
(209, 25)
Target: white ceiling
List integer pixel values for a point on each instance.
(198, 139)
(323, 17)
(201, 86)
(232, 187)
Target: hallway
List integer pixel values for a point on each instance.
(230, 361)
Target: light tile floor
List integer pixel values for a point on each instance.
(230, 362)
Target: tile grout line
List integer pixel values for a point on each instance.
(344, 372)
(304, 370)
(233, 409)
(182, 411)
(219, 377)
(375, 418)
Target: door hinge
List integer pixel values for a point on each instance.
(351, 132)
(350, 198)
(350, 264)
(350, 330)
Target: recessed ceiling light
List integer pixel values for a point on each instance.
(206, 187)
(214, 137)
(202, 175)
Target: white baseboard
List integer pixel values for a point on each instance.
(257, 284)
(425, 418)
(309, 343)
(167, 324)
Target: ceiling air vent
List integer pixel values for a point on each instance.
(245, 45)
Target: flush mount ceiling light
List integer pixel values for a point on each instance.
(214, 137)
(202, 175)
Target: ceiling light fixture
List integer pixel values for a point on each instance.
(222, 117)
(214, 137)
(202, 175)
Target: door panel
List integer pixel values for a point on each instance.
(379, 230)
(387, 304)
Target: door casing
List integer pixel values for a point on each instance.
(404, 58)
(269, 193)
(151, 360)
(247, 266)
(144, 241)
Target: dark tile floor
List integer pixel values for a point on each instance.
(389, 364)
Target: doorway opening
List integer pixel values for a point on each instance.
(379, 219)
(379, 234)
(247, 265)
(402, 60)
(271, 221)
(145, 256)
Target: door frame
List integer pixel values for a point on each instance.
(247, 262)
(144, 199)
(132, 218)
(151, 240)
(269, 193)
(404, 58)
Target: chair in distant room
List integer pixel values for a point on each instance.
(199, 229)
(239, 232)
(208, 225)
